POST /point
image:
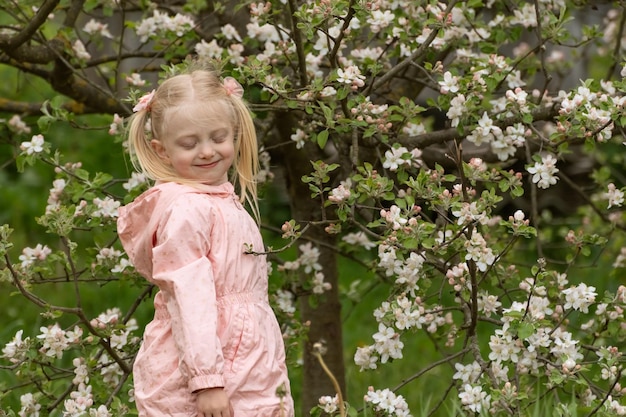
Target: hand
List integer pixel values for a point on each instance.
(213, 402)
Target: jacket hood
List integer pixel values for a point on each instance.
(138, 221)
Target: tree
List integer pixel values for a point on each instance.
(412, 130)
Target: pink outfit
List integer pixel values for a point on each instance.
(213, 326)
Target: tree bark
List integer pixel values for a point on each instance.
(323, 313)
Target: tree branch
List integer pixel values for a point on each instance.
(419, 52)
(35, 54)
(446, 135)
(11, 43)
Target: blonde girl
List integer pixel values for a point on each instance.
(214, 347)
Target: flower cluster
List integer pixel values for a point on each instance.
(93, 27)
(614, 195)
(15, 351)
(474, 398)
(17, 125)
(329, 404)
(399, 156)
(387, 402)
(31, 255)
(308, 261)
(502, 143)
(543, 172)
(106, 207)
(161, 23)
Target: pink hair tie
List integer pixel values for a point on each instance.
(233, 88)
(144, 102)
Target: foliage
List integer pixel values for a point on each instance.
(461, 152)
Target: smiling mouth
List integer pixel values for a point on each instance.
(207, 165)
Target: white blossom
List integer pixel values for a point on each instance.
(393, 216)
(121, 265)
(614, 195)
(230, 32)
(56, 191)
(620, 260)
(115, 127)
(262, 33)
(30, 406)
(544, 171)
(387, 343)
(457, 109)
(107, 207)
(285, 301)
(329, 404)
(365, 358)
(79, 49)
(396, 157)
(34, 146)
(526, 16)
(81, 371)
(110, 370)
(15, 351)
(159, 22)
(101, 411)
(340, 193)
(449, 84)
(467, 374)
(135, 80)
(414, 129)
(380, 20)
(579, 297)
(488, 303)
(359, 239)
(351, 75)
(388, 402)
(319, 286)
(299, 138)
(136, 180)
(309, 257)
(474, 398)
(54, 341)
(504, 347)
(30, 255)
(208, 50)
(17, 125)
(93, 27)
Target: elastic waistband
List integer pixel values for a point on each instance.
(242, 298)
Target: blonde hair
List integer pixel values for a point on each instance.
(203, 86)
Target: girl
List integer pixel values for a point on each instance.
(214, 348)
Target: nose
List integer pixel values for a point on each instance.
(206, 150)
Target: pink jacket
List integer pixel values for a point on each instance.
(212, 326)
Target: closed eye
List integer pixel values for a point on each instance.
(187, 143)
(219, 135)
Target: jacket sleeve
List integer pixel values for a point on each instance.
(184, 274)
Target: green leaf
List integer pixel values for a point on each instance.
(410, 243)
(322, 138)
(527, 118)
(525, 330)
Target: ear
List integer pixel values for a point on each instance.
(160, 150)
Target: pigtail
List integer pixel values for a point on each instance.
(142, 155)
(138, 145)
(247, 165)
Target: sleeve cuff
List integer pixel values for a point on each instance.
(206, 381)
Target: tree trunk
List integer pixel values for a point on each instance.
(324, 312)
(324, 316)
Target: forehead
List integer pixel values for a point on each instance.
(198, 114)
